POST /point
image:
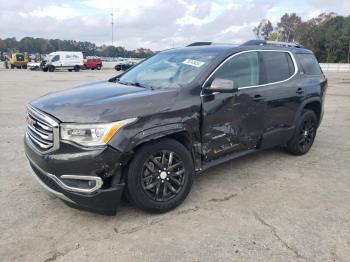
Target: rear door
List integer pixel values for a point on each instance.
(282, 92)
(233, 121)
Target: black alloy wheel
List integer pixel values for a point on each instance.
(305, 134)
(163, 175)
(160, 175)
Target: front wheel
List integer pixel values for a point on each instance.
(160, 176)
(304, 135)
(76, 68)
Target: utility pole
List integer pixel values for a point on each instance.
(112, 23)
(112, 20)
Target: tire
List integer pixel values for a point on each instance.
(304, 135)
(147, 177)
(98, 67)
(51, 68)
(24, 67)
(45, 69)
(76, 68)
(70, 70)
(12, 67)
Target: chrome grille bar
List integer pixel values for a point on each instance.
(42, 130)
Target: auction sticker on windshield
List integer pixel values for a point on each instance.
(194, 63)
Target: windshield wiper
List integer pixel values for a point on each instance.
(135, 84)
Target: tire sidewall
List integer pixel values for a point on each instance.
(133, 181)
(293, 145)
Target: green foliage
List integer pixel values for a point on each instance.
(327, 35)
(45, 46)
(263, 30)
(288, 26)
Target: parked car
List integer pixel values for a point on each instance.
(64, 60)
(17, 60)
(147, 132)
(93, 63)
(34, 66)
(124, 65)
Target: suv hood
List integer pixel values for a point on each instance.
(104, 101)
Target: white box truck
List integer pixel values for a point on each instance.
(64, 60)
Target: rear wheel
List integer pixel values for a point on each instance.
(24, 67)
(98, 67)
(160, 176)
(304, 135)
(76, 68)
(51, 68)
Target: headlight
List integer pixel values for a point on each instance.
(92, 134)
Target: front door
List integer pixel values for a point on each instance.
(233, 122)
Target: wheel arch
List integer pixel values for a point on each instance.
(313, 104)
(178, 132)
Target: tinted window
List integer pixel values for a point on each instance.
(55, 58)
(276, 66)
(309, 64)
(20, 57)
(243, 69)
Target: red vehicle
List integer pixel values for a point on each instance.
(93, 63)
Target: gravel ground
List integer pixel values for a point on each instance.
(269, 206)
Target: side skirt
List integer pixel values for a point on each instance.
(218, 161)
(276, 137)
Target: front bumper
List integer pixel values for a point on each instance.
(99, 166)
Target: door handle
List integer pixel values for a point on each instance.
(299, 91)
(258, 98)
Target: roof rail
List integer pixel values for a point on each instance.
(264, 42)
(199, 44)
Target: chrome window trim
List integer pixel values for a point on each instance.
(296, 68)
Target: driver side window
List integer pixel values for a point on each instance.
(56, 58)
(243, 69)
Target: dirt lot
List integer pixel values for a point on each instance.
(270, 206)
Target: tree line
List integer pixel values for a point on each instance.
(46, 46)
(327, 35)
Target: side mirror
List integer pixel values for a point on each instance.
(223, 86)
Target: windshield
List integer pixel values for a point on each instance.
(168, 69)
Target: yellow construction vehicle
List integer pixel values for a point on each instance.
(18, 60)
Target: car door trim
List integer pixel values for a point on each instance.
(296, 68)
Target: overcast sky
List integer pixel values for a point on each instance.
(155, 24)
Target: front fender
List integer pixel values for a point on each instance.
(126, 141)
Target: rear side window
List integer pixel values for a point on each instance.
(242, 68)
(309, 64)
(275, 66)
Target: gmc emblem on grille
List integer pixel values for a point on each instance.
(30, 121)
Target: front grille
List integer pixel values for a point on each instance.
(41, 130)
